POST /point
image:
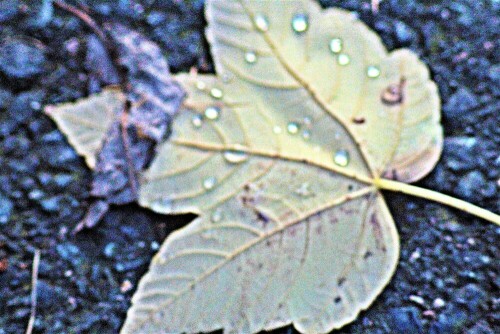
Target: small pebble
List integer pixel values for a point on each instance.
(438, 303)
(20, 60)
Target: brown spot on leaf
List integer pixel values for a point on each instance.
(341, 281)
(286, 215)
(319, 229)
(247, 200)
(377, 231)
(394, 95)
(261, 217)
(367, 255)
(333, 220)
(358, 120)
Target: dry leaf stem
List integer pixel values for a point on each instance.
(34, 284)
(437, 197)
(82, 16)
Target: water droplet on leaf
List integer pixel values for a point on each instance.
(212, 113)
(216, 93)
(341, 158)
(250, 57)
(236, 155)
(343, 59)
(197, 121)
(300, 23)
(335, 45)
(293, 128)
(209, 182)
(261, 23)
(373, 71)
(201, 85)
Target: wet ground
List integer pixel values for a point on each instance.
(449, 276)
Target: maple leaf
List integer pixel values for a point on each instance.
(283, 155)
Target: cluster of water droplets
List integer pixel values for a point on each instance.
(302, 128)
(300, 25)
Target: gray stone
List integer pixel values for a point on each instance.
(20, 60)
(462, 101)
(6, 207)
(406, 320)
(471, 185)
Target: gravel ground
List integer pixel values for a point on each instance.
(448, 278)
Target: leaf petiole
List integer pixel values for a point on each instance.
(435, 196)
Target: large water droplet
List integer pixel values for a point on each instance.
(236, 155)
(216, 93)
(300, 23)
(293, 128)
(335, 45)
(197, 121)
(250, 57)
(209, 183)
(343, 59)
(212, 113)
(341, 158)
(261, 22)
(373, 71)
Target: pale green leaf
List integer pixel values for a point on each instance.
(86, 122)
(279, 154)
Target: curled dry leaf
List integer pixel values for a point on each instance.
(279, 155)
(86, 122)
(153, 98)
(117, 131)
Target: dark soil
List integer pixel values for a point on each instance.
(448, 279)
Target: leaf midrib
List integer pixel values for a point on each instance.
(274, 155)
